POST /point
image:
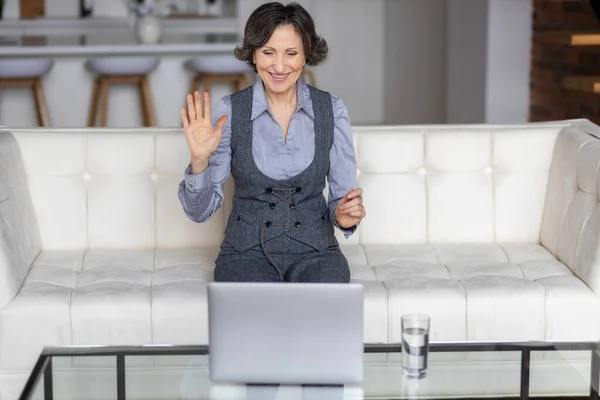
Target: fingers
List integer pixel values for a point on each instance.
(207, 113)
(356, 213)
(360, 212)
(352, 205)
(220, 124)
(189, 135)
(352, 217)
(349, 204)
(347, 197)
(184, 118)
(355, 210)
(191, 109)
(197, 105)
(352, 193)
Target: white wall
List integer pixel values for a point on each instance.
(414, 88)
(355, 68)
(489, 43)
(508, 61)
(466, 43)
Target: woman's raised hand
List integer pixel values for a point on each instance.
(202, 138)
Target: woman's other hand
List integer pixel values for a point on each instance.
(350, 209)
(202, 138)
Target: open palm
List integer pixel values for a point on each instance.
(202, 138)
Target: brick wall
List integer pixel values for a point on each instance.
(550, 63)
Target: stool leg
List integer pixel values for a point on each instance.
(207, 83)
(40, 103)
(195, 83)
(147, 103)
(104, 86)
(94, 103)
(143, 104)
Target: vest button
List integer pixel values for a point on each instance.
(297, 224)
(272, 206)
(238, 218)
(292, 206)
(269, 190)
(268, 224)
(323, 218)
(298, 189)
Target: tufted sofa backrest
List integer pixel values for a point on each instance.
(112, 188)
(106, 188)
(453, 184)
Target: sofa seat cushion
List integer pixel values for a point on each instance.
(128, 297)
(109, 297)
(479, 291)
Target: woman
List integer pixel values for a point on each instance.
(281, 140)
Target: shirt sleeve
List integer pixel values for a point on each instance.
(342, 169)
(202, 194)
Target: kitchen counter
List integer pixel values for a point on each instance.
(103, 36)
(115, 42)
(50, 25)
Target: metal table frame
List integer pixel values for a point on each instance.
(43, 365)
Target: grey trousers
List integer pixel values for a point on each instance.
(294, 262)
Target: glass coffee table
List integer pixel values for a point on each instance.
(456, 369)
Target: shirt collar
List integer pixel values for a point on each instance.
(260, 103)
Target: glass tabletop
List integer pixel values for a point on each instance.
(454, 369)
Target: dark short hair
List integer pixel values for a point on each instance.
(266, 18)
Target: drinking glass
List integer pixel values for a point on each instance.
(415, 343)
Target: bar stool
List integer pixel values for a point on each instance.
(28, 72)
(210, 69)
(121, 70)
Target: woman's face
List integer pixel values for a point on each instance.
(280, 61)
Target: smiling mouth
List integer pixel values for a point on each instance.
(278, 77)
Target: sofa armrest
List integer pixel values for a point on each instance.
(13, 270)
(571, 222)
(19, 234)
(587, 264)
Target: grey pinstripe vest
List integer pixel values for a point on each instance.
(265, 208)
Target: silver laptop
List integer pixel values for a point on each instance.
(286, 333)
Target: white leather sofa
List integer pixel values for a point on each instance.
(491, 230)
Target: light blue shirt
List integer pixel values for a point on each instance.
(202, 194)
